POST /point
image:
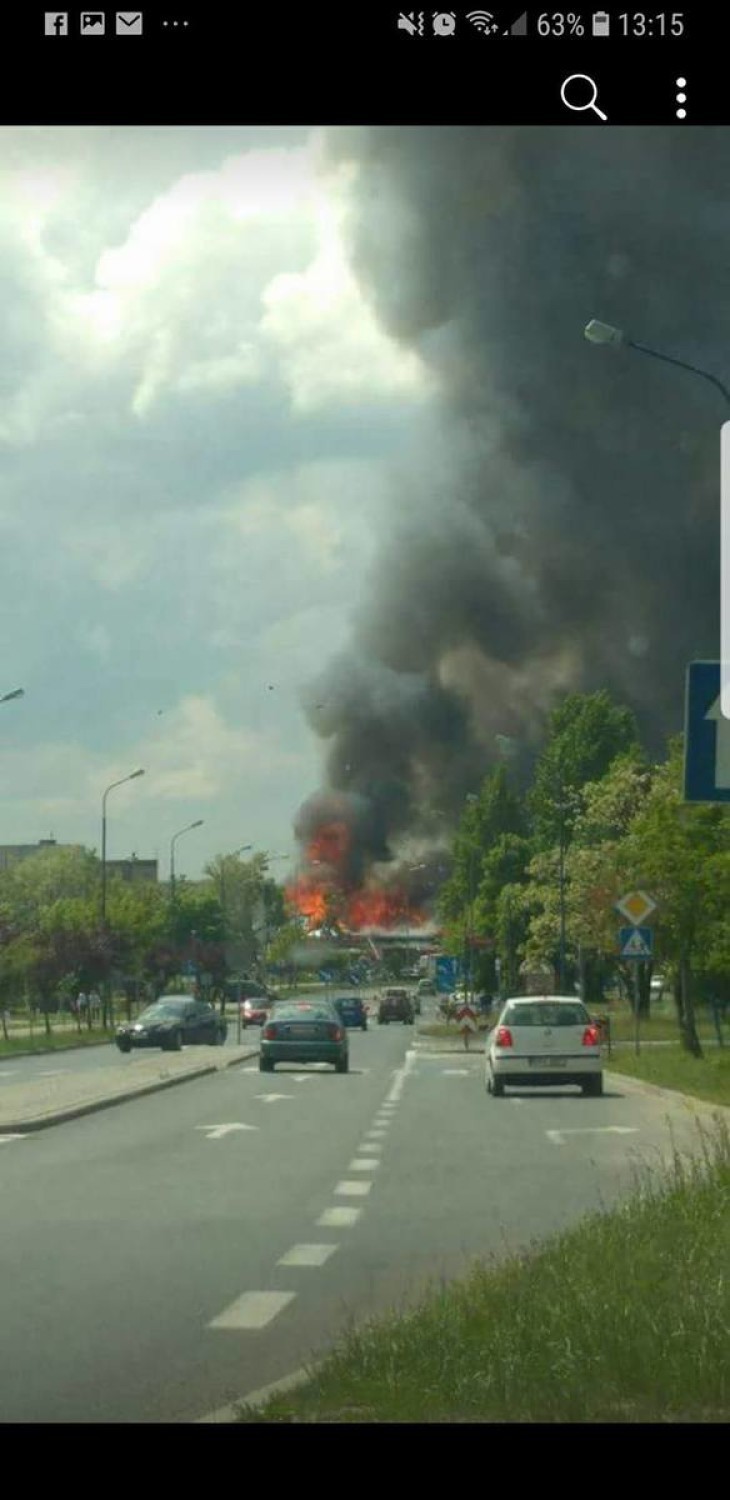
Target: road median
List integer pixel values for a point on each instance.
(39, 1103)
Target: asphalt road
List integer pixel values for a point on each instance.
(155, 1270)
(88, 1059)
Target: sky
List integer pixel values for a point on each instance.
(202, 425)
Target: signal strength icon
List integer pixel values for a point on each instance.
(483, 21)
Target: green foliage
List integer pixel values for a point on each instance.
(585, 734)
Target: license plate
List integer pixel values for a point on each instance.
(301, 1031)
(547, 1062)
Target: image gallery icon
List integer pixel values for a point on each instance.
(56, 23)
(93, 23)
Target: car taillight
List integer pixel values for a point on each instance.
(336, 1033)
(591, 1036)
(269, 1033)
(504, 1037)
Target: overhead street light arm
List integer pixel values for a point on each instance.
(16, 693)
(597, 332)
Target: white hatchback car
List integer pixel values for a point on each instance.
(544, 1041)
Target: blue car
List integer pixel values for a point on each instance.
(351, 1011)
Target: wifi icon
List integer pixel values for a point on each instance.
(483, 21)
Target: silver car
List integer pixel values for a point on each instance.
(544, 1041)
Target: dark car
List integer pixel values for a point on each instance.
(171, 1021)
(351, 1010)
(304, 1031)
(395, 1005)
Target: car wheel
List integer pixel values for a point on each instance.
(593, 1087)
(343, 1066)
(124, 1046)
(265, 1065)
(497, 1089)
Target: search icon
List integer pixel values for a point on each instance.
(590, 103)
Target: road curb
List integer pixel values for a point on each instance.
(232, 1412)
(94, 1106)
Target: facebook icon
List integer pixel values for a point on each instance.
(56, 22)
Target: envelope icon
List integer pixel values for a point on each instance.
(129, 23)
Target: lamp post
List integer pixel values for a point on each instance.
(269, 859)
(604, 333)
(123, 779)
(224, 907)
(471, 797)
(16, 693)
(173, 841)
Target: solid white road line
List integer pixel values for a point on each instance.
(11, 1138)
(271, 1098)
(253, 1310)
(558, 1136)
(339, 1218)
(258, 1398)
(363, 1164)
(400, 1077)
(307, 1255)
(353, 1189)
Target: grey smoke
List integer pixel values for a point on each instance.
(571, 541)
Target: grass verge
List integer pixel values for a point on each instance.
(705, 1077)
(57, 1042)
(621, 1319)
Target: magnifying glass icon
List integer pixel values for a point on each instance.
(590, 103)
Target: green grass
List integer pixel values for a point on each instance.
(707, 1077)
(624, 1318)
(57, 1041)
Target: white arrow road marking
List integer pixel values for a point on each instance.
(558, 1136)
(270, 1098)
(11, 1138)
(722, 744)
(339, 1218)
(216, 1132)
(307, 1255)
(253, 1310)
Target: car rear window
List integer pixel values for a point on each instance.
(305, 1013)
(546, 1015)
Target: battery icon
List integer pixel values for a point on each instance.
(601, 23)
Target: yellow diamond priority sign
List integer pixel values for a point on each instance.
(636, 905)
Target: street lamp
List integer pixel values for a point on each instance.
(132, 777)
(109, 789)
(16, 693)
(471, 797)
(604, 333)
(173, 841)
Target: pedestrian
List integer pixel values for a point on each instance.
(82, 1001)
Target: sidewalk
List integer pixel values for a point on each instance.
(38, 1103)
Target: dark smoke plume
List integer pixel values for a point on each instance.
(571, 541)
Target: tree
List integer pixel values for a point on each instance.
(585, 734)
(684, 853)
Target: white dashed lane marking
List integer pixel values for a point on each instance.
(353, 1189)
(307, 1255)
(363, 1164)
(253, 1310)
(339, 1218)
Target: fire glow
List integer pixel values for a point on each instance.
(321, 895)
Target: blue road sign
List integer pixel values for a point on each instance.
(706, 736)
(447, 975)
(636, 942)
